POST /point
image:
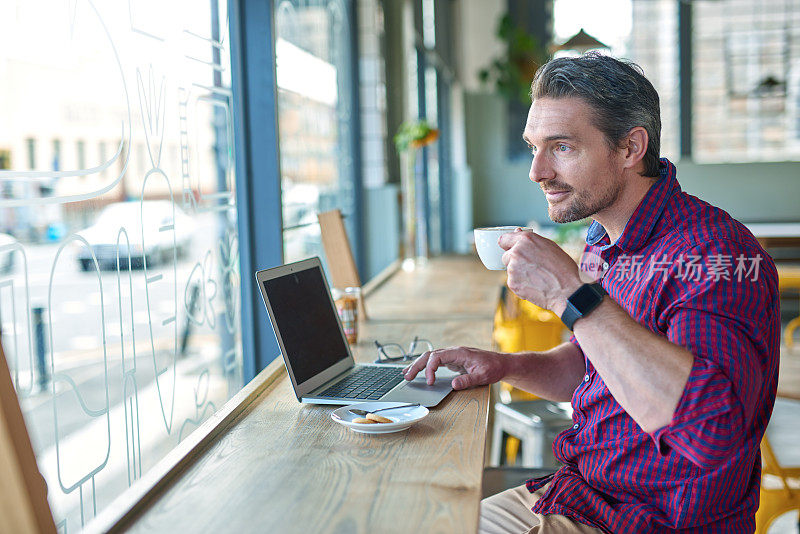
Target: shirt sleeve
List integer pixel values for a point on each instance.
(574, 341)
(722, 322)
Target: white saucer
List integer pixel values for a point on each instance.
(402, 417)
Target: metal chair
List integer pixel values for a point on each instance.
(534, 424)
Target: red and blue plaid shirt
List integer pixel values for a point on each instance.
(689, 272)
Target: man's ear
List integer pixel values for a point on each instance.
(635, 147)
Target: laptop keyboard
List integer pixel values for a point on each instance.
(366, 382)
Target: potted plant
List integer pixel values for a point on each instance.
(512, 73)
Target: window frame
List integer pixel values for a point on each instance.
(258, 189)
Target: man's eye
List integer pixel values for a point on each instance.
(562, 148)
(533, 149)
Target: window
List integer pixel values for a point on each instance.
(746, 80)
(120, 313)
(31, 144)
(745, 59)
(81, 151)
(315, 95)
(102, 153)
(657, 53)
(372, 86)
(56, 162)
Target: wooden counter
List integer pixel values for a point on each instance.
(266, 463)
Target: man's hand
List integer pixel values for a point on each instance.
(481, 367)
(538, 269)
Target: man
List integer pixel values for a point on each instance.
(672, 374)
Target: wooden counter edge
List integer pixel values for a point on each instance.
(134, 501)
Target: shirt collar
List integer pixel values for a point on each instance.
(643, 219)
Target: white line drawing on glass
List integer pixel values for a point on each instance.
(189, 106)
(230, 365)
(98, 465)
(13, 248)
(130, 390)
(189, 200)
(229, 256)
(72, 11)
(125, 141)
(201, 403)
(121, 381)
(152, 103)
(150, 279)
(138, 23)
(219, 45)
(201, 312)
(214, 95)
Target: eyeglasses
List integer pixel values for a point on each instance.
(394, 352)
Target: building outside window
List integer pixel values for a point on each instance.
(31, 143)
(80, 147)
(56, 161)
(745, 76)
(657, 53)
(372, 87)
(315, 114)
(746, 80)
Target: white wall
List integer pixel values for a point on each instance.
(475, 38)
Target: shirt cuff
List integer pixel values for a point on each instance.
(708, 421)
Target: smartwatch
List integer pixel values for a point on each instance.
(582, 302)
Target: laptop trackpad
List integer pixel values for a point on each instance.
(419, 391)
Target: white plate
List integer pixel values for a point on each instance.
(402, 417)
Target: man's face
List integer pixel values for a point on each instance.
(573, 164)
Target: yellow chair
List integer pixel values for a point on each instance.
(789, 278)
(780, 489)
(519, 326)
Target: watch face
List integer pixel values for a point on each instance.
(584, 298)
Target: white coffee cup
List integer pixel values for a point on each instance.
(489, 250)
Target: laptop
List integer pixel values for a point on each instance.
(315, 350)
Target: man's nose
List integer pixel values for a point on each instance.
(540, 169)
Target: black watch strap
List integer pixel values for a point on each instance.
(582, 302)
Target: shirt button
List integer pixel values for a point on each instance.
(605, 265)
(585, 378)
(575, 426)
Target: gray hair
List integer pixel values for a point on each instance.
(618, 92)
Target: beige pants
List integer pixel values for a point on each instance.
(509, 512)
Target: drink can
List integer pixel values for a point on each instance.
(347, 307)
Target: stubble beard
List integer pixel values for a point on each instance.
(580, 207)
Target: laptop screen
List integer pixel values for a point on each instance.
(306, 321)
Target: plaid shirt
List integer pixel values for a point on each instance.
(687, 271)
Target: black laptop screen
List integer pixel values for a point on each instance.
(306, 321)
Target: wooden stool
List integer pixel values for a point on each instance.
(23, 496)
(339, 254)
